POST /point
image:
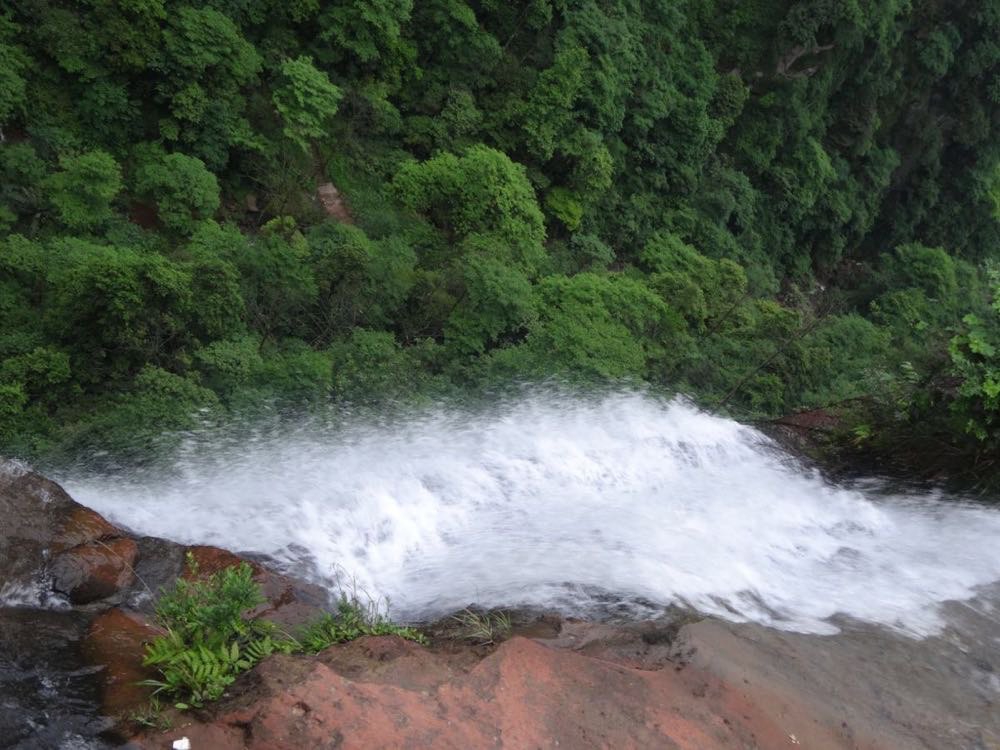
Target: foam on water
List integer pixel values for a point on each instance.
(578, 504)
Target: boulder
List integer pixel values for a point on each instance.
(117, 640)
(47, 535)
(94, 570)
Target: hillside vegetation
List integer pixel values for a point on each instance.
(770, 205)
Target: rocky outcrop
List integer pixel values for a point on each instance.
(704, 685)
(116, 642)
(95, 570)
(50, 542)
(523, 695)
(55, 552)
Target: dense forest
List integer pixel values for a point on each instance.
(215, 208)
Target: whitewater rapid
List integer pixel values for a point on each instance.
(612, 505)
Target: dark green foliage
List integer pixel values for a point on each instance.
(769, 205)
(975, 359)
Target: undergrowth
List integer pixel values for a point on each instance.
(210, 639)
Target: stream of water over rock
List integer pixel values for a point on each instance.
(610, 505)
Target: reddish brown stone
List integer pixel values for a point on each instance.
(524, 695)
(210, 560)
(81, 526)
(117, 640)
(96, 570)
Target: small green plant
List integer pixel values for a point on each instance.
(209, 640)
(151, 716)
(483, 628)
(353, 619)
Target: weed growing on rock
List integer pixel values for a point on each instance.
(353, 619)
(209, 639)
(483, 628)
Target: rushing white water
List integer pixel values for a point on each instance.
(622, 503)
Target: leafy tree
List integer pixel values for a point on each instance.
(185, 191)
(306, 101)
(116, 309)
(480, 192)
(975, 358)
(596, 326)
(371, 367)
(84, 188)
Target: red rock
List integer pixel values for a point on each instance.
(211, 560)
(524, 695)
(117, 640)
(83, 525)
(96, 570)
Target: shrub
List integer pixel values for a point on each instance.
(209, 640)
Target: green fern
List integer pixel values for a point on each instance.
(209, 639)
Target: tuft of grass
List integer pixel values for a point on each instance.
(353, 619)
(482, 628)
(151, 716)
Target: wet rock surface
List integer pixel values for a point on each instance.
(49, 695)
(76, 601)
(96, 570)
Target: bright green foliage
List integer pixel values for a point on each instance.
(210, 638)
(371, 367)
(352, 620)
(596, 327)
(480, 192)
(151, 415)
(83, 189)
(277, 283)
(184, 191)
(306, 101)
(497, 300)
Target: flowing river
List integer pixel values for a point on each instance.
(599, 506)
